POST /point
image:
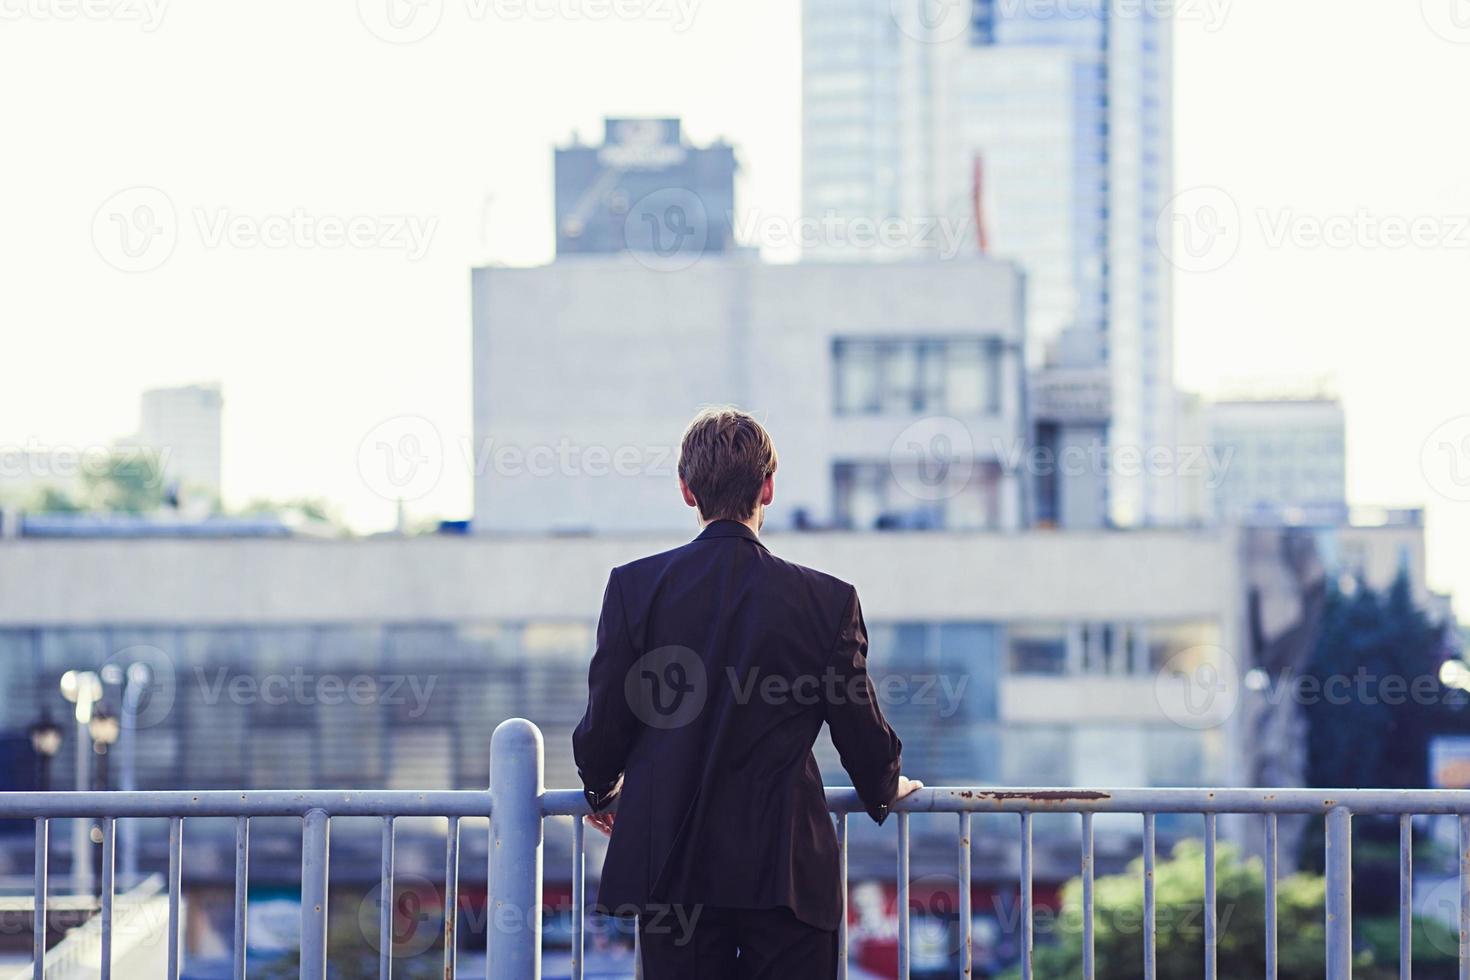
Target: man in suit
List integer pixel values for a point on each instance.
(716, 665)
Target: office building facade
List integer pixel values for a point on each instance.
(1044, 133)
(895, 394)
(182, 428)
(1287, 460)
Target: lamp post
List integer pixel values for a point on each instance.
(104, 729)
(134, 680)
(82, 688)
(45, 743)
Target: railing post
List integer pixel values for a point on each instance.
(1339, 894)
(314, 883)
(513, 926)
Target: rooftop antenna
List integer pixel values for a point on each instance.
(977, 199)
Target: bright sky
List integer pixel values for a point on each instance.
(1346, 117)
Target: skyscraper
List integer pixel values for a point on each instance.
(182, 425)
(1041, 129)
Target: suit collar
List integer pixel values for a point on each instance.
(729, 529)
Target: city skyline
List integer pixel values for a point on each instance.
(315, 346)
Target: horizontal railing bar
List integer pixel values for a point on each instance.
(249, 803)
(956, 799)
(567, 802)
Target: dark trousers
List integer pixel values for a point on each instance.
(701, 943)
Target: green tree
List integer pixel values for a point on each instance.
(53, 501)
(1370, 692)
(129, 484)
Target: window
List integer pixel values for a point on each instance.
(883, 497)
(917, 377)
(1037, 648)
(1166, 641)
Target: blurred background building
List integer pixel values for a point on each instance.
(950, 431)
(644, 187)
(866, 376)
(1045, 131)
(182, 427)
(1288, 460)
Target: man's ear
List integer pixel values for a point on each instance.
(768, 490)
(688, 496)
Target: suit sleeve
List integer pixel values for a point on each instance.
(602, 739)
(870, 751)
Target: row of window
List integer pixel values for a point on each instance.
(930, 494)
(959, 377)
(413, 707)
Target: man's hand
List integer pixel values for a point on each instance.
(906, 786)
(602, 821)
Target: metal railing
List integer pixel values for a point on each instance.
(517, 804)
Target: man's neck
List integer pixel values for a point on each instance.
(753, 522)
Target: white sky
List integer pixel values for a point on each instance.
(1312, 109)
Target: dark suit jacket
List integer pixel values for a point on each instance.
(716, 665)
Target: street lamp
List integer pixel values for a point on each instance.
(45, 743)
(104, 729)
(82, 688)
(135, 681)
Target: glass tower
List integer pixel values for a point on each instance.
(1038, 130)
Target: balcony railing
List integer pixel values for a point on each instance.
(517, 804)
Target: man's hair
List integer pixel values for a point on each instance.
(725, 457)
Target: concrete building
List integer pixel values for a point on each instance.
(1047, 646)
(646, 190)
(1088, 659)
(1057, 120)
(182, 427)
(895, 393)
(1287, 460)
(1001, 658)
